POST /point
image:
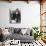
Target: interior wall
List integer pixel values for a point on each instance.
(30, 14)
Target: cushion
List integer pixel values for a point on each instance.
(17, 30)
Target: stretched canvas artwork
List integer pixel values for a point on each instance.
(15, 16)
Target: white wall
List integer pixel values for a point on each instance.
(30, 13)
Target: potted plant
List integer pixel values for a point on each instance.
(37, 33)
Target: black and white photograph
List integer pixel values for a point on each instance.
(15, 16)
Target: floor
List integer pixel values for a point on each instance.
(35, 43)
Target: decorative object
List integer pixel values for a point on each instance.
(15, 16)
(38, 34)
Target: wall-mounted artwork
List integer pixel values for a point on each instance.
(15, 16)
